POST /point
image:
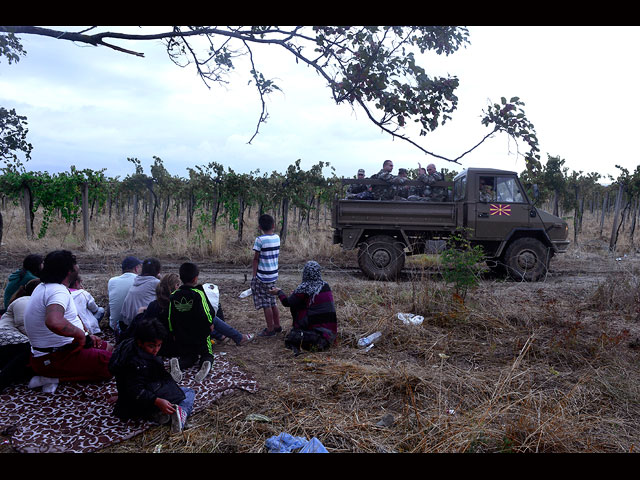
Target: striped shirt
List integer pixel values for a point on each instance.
(269, 248)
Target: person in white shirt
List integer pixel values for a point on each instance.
(119, 286)
(61, 349)
(88, 310)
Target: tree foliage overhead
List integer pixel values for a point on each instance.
(372, 68)
(13, 127)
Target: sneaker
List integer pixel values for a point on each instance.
(176, 374)
(246, 338)
(49, 387)
(267, 333)
(40, 381)
(277, 329)
(203, 372)
(178, 419)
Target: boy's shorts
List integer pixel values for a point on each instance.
(261, 296)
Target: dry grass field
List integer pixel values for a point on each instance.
(551, 366)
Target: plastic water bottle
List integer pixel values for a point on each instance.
(366, 341)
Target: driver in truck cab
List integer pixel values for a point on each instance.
(486, 193)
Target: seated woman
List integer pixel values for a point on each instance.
(15, 349)
(315, 324)
(31, 268)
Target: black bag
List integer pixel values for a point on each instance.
(310, 340)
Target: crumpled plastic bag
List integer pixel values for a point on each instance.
(313, 446)
(410, 318)
(286, 443)
(245, 293)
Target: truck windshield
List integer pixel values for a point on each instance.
(507, 190)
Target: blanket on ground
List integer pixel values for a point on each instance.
(78, 417)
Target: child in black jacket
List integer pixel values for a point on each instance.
(193, 320)
(145, 389)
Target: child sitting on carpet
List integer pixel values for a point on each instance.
(145, 389)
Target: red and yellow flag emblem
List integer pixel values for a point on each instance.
(500, 209)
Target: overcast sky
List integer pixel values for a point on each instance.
(93, 107)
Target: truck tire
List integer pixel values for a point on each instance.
(381, 257)
(527, 259)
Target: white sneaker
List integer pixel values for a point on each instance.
(49, 387)
(176, 374)
(40, 381)
(204, 371)
(178, 419)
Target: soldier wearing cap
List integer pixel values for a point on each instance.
(356, 190)
(402, 192)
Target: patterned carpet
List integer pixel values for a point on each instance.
(78, 418)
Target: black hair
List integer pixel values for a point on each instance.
(266, 222)
(32, 263)
(188, 271)
(150, 267)
(386, 161)
(149, 329)
(57, 265)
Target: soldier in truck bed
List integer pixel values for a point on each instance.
(402, 192)
(431, 193)
(386, 192)
(359, 191)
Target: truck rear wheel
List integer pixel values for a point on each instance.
(527, 259)
(381, 257)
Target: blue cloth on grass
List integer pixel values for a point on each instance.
(286, 443)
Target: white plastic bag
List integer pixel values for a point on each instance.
(410, 318)
(245, 294)
(213, 295)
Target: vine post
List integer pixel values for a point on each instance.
(85, 212)
(26, 203)
(614, 228)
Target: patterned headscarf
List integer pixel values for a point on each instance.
(312, 281)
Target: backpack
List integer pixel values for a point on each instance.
(311, 340)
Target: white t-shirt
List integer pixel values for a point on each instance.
(39, 334)
(86, 307)
(118, 287)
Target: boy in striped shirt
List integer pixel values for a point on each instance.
(265, 274)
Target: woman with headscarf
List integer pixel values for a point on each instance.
(313, 311)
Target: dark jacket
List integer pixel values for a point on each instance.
(190, 319)
(140, 379)
(320, 315)
(16, 280)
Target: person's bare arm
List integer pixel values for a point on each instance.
(55, 321)
(256, 259)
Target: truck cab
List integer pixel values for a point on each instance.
(490, 205)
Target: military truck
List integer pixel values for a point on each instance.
(489, 205)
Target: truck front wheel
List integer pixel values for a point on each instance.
(381, 257)
(527, 259)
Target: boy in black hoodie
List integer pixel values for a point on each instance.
(145, 389)
(193, 320)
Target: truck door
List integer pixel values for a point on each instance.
(501, 207)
